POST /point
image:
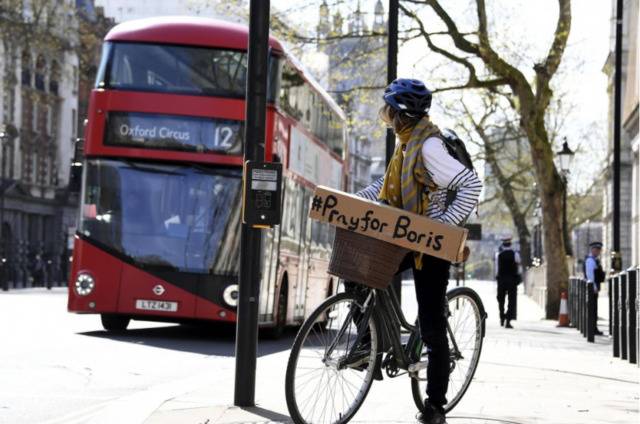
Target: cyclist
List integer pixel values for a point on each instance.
(422, 177)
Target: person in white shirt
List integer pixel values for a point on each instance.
(422, 177)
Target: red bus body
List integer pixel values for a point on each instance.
(170, 272)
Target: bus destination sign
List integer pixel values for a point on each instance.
(171, 132)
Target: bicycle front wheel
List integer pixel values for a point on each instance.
(466, 321)
(331, 367)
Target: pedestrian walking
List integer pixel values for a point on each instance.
(507, 262)
(593, 272)
(425, 178)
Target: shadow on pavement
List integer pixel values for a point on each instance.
(203, 339)
(479, 420)
(267, 414)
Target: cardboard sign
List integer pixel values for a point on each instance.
(393, 225)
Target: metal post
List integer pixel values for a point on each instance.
(591, 312)
(632, 278)
(249, 278)
(572, 302)
(616, 317)
(565, 228)
(3, 262)
(392, 74)
(572, 298)
(392, 65)
(617, 123)
(581, 284)
(585, 314)
(622, 313)
(610, 294)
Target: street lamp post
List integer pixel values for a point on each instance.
(565, 157)
(4, 137)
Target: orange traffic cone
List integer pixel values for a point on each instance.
(563, 317)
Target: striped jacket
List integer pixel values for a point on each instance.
(450, 176)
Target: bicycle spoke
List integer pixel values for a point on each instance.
(332, 374)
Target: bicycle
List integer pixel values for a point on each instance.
(354, 334)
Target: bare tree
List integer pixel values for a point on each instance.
(488, 70)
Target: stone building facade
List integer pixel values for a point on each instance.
(630, 159)
(39, 115)
(357, 67)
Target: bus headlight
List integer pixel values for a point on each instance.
(84, 284)
(230, 295)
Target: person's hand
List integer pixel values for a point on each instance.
(465, 254)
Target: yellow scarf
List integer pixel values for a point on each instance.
(406, 177)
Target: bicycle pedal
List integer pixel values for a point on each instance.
(417, 367)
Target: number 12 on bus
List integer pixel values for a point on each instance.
(159, 222)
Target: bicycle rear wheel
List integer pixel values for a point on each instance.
(330, 372)
(466, 320)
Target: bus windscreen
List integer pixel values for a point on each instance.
(164, 217)
(177, 69)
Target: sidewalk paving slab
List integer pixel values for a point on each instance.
(536, 373)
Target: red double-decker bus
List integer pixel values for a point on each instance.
(158, 236)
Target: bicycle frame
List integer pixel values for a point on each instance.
(393, 321)
(388, 306)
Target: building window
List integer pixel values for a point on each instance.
(54, 78)
(40, 70)
(74, 124)
(26, 69)
(49, 119)
(34, 117)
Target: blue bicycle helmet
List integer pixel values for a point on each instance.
(410, 96)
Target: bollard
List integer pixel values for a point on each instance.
(583, 302)
(637, 303)
(579, 304)
(632, 279)
(591, 312)
(616, 316)
(622, 313)
(572, 316)
(570, 300)
(610, 295)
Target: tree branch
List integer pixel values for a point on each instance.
(546, 70)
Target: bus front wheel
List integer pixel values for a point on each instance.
(112, 322)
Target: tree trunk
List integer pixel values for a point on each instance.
(550, 186)
(508, 195)
(525, 245)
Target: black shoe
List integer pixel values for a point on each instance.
(431, 415)
(598, 333)
(508, 325)
(501, 322)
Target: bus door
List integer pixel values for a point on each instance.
(269, 264)
(317, 280)
(305, 246)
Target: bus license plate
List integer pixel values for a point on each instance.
(156, 305)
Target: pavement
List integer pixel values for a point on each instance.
(535, 373)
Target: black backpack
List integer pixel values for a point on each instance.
(456, 148)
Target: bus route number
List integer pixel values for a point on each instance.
(223, 138)
(262, 194)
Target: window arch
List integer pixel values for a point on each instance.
(41, 66)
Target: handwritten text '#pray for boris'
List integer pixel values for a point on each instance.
(367, 223)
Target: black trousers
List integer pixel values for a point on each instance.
(508, 290)
(431, 289)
